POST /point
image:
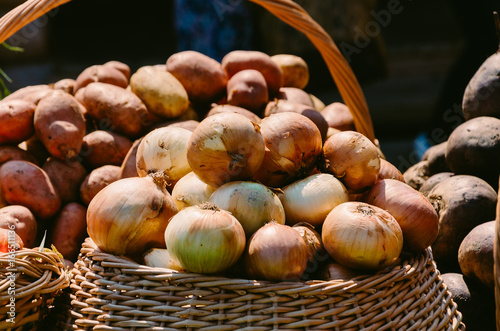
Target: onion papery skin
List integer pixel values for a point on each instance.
(160, 258)
(129, 216)
(275, 252)
(205, 239)
(164, 150)
(353, 158)
(312, 198)
(293, 144)
(190, 190)
(415, 214)
(389, 171)
(252, 204)
(362, 236)
(225, 108)
(225, 147)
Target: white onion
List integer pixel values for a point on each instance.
(190, 190)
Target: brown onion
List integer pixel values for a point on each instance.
(205, 239)
(276, 252)
(293, 144)
(337, 271)
(312, 198)
(190, 190)
(415, 214)
(225, 147)
(129, 216)
(252, 204)
(389, 171)
(353, 158)
(312, 239)
(362, 236)
(216, 109)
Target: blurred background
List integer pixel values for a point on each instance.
(413, 58)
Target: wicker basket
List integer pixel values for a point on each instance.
(29, 281)
(112, 293)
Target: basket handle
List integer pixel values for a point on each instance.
(286, 10)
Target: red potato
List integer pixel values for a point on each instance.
(239, 60)
(66, 176)
(24, 183)
(117, 108)
(338, 117)
(100, 73)
(10, 241)
(69, 230)
(203, 77)
(248, 89)
(120, 66)
(129, 164)
(9, 153)
(295, 95)
(32, 93)
(16, 121)
(66, 84)
(97, 180)
(60, 124)
(104, 148)
(21, 220)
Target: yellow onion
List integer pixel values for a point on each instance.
(253, 204)
(190, 190)
(415, 214)
(276, 252)
(225, 147)
(353, 158)
(312, 239)
(160, 258)
(216, 109)
(293, 144)
(389, 171)
(362, 236)
(312, 198)
(164, 150)
(129, 216)
(205, 239)
(337, 271)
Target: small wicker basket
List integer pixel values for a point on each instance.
(112, 293)
(29, 281)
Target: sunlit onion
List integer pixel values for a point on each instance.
(190, 190)
(389, 171)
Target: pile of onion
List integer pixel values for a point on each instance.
(362, 236)
(293, 144)
(225, 147)
(130, 215)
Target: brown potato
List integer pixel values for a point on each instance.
(100, 73)
(32, 93)
(69, 230)
(338, 117)
(216, 109)
(120, 66)
(60, 124)
(104, 147)
(433, 180)
(16, 121)
(21, 220)
(161, 92)
(294, 68)
(129, 164)
(239, 60)
(66, 176)
(203, 77)
(295, 95)
(435, 156)
(8, 153)
(417, 174)
(247, 89)
(24, 183)
(114, 107)
(35, 148)
(97, 180)
(66, 84)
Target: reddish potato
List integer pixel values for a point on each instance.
(295, 95)
(114, 107)
(16, 121)
(10, 241)
(9, 153)
(203, 77)
(97, 180)
(35, 148)
(66, 176)
(100, 73)
(32, 93)
(66, 84)
(247, 89)
(120, 66)
(129, 164)
(60, 124)
(294, 68)
(338, 117)
(21, 220)
(24, 183)
(69, 230)
(104, 147)
(240, 60)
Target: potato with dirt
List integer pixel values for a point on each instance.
(21, 220)
(9, 153)
(338, 116)
(462, 202)
(102, 147)
(114, 107)
(24, 183)
(31, 93)
(66, 176)
(162, 93)
(100, 73)
(202, 76)
(16, 121)
(417, 174)
(60, 124)
(96, 180)
(69, 230)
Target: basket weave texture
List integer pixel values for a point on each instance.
(37, 278)
(113, 293)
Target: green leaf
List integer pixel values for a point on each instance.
(12, 48)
